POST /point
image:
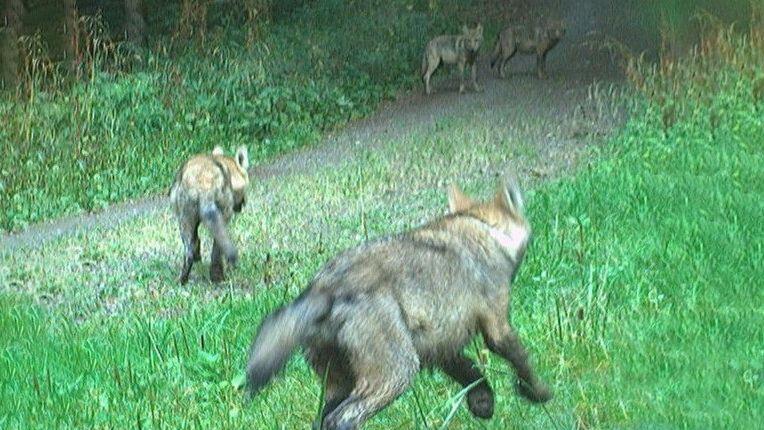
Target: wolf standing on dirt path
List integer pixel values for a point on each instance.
(378, 313)
(209, 189)
(461, 50)
(537, 39)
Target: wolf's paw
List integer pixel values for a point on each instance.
(331, 423)
(538, 393)
(217, 274)
(233, 258)
(480, 402)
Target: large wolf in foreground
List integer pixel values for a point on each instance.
(461, 50)
(208, 189)
(378, 313)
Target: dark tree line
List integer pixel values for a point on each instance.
(60, 26)
(10, 30)
(135, 24)
(68, 31)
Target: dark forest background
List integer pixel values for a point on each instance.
(111, 95)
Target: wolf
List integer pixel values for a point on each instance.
(209, 189)
(376, 314)
(461, 50)
(537, 39)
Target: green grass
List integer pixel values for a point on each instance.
(639, 300)
(119, 135)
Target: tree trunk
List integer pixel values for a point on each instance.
(71, 34)
(135, 25)
(10, 28)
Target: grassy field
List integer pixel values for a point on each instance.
(639, 300)
(123, 129)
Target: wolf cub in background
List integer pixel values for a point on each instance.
(461, 50)
(208, 189)
(537, 39)
(376, 314)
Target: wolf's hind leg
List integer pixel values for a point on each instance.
(480, 397)
(505, 62)
(329, 363)
(372, 392)
(196, 243)
(217, 270)
(382, 358)
(189, 226)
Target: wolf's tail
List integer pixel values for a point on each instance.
(213, 219)
(280, 333)
(496, 51)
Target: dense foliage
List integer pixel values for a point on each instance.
(273, 84)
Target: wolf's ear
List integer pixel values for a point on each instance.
(479, 29)
(218, 150)
(457, 200)
(509, 197)
(465, 30)
(242, 157)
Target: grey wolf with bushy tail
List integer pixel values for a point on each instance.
(537, 39)
(209, 189)
(378, 313)
(461, 50)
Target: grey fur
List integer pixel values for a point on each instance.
(537, 39)
(378, 313)
(461, 50)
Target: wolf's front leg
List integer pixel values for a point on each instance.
(502, 340)
(541, 65)
(480, 397)
(475, 85)
(461, 77)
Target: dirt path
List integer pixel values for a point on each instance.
(555, 101)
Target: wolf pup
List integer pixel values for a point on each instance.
(209, 189)
(538, 39)
(461, 50)
(378, 313)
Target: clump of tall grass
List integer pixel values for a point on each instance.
(726, 61)
(725, 57)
